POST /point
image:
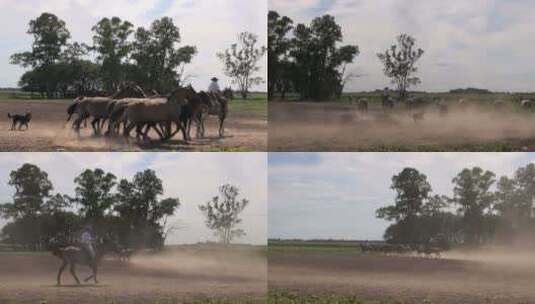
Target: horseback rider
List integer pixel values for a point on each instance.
(86, 239)
(214, 88)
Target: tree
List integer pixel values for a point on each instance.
(33, 208)
(241, 62)
(139, 205)
(412, 191)
(93, 193)
(110, 41)
(158, 60)
(50, 36)
(223, 213)
(279, 45)
(318, 59)
(32, 189)
(400, 63)
(525, 181)
(472, 196)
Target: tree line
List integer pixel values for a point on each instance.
(309, 60)
(483, 209)
(129, 211)
(153, 58)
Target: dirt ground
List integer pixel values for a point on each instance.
(49, 132)
(453, 279)
(171, 278)
(306, 126)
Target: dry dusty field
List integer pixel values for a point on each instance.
(180, 277)
(329, 126)
(456, 278)
(245, 131)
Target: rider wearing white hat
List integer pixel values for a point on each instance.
(214, 86)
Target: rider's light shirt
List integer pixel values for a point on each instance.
(86, 238)
(214, 87)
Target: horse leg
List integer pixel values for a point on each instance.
(95, 274)
(221, 121)
(128, 128)
(58, 279)
(73, 273)
(184, 135)
(188, 128)
(94, 124)
(102, 124)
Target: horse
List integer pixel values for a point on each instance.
(76, 255)
(99, 107)
(362, 105)
(388, 103)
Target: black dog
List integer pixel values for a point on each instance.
(21, 120)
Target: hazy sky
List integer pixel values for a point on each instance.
(335, 195)
(210, 25)
(192, 177)
(476, 43)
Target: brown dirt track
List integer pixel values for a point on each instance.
(48, 132)
(330, 126)
(161, 279)
(404, 279)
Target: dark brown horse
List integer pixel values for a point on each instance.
(216, 105)
(77, 255)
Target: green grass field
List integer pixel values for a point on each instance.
(285, 297)
(314, 247)
(256, 103)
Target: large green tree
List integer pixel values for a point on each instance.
(318, 58)
(412, 192)
(32, 192)
(472, 195)
(93, 193)
(279, 44)
(159, 60)
(34, 208)
(110, 41)
(50, 36)
(140, 205)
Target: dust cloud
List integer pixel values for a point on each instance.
(305, 126)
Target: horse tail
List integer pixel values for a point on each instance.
(9, 115)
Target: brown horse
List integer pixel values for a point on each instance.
(216, 105)
(75, 255)
(99, 107)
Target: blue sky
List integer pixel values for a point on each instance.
(335, 195)
(210, 25)
(476, 43)
(192, 177)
